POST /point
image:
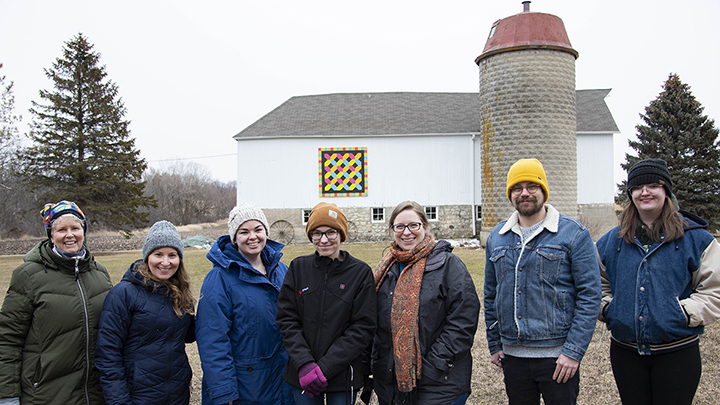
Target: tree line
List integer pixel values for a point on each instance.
(79, 148)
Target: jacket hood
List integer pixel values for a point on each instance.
(223, 253)
(693, 221)
(436, 258)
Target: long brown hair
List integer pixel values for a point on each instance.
(178, 288)
(670, 221)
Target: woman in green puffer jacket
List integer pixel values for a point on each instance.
(49, 318)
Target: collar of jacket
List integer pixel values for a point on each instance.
(133, 276)
(42, 253)
(224, 254)
(552, 219)
(326, 262)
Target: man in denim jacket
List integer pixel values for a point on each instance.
(542, 293)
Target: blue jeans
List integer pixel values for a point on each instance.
(460, 401)
(332, 398)
(528, 378)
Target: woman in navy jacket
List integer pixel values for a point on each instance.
(661, 286)
(240, 346)
(146, 320)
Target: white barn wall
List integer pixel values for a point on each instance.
(595, 157)
(430, 169)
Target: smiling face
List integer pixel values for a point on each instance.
(407, 239)
(250, 238)
(163, 262)
(67, 233)
(649, 200)
(323, 244)
(527, 203)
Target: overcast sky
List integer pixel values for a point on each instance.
(192, 74)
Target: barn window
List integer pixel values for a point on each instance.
(431, 213)
(305, 216)
(378, 215)
(478, 213)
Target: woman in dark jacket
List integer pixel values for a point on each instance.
(428, 312)
(50, 315)
(146, 320)
(327, 315)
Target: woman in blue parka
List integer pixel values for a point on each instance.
(146, 320)
(240, 346)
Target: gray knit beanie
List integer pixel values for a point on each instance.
(162, 234)
(242, 213)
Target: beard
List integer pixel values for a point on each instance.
(528, 206)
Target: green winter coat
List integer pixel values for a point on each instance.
(48, 328)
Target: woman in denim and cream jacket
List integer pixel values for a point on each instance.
(661, 286)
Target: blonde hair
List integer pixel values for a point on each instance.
(178, 288)
(670, 222)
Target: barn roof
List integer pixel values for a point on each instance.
(362, 114)
(593, 114)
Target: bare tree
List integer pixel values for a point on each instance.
(186, 194)
(17, 214)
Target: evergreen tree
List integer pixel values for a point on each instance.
(676, 130)
(82, 150)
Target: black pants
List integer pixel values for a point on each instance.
(527, 378)
(670, 378)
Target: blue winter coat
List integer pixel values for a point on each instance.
(141, 345)
(240, 346)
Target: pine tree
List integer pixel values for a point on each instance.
(676, 130)
(82, 150)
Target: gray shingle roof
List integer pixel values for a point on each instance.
(358, 114)
(593, 115)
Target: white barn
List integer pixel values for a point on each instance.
(415, 146)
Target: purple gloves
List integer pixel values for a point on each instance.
(312, 380)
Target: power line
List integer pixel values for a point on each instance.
(192, 158)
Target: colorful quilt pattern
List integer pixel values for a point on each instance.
(342, 172)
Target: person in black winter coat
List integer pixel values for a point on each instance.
(146, 320)
(327, 315)
(428, 312)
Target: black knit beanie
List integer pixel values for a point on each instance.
(649, 171)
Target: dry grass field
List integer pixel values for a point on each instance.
(597, 384)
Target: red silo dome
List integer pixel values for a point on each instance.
(527, 30)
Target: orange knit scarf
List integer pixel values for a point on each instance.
(404, 311)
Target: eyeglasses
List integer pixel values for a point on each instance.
(330, 234)
(412, 226)
(652, 188)
(531, 188)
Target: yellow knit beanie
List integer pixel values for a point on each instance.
(527, 170)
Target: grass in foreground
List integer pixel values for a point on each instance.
(597, 385)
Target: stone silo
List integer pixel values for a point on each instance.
(527, 99)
